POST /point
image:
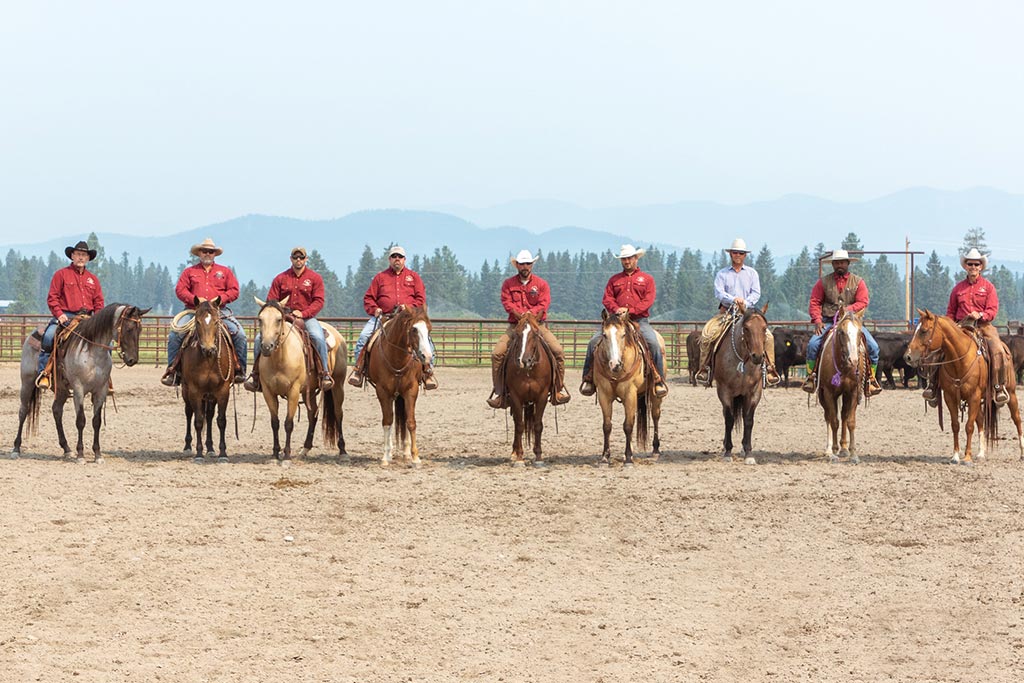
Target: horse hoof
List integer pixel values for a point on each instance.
(518, 463)
(284, 463)
(726, 457)
(222, 460)
(540, 464)
(749, 461)
(304, 452)
(98, 460)
(854, 460)
(15, 454)
(844, 453)
(833, 459)
(198, 460)
(80, 460)
(416, 464)
(968, 463)
(627, 465)
(186, 449)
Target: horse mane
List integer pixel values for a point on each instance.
(276, 305)
(98, 325)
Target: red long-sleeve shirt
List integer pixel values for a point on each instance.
(72, 291)
(388, 290)
(534, 296)
(861, 297)
(305, 291)
(195, 281)
(634, 291)
(966, 298)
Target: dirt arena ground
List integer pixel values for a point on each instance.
(149, 567)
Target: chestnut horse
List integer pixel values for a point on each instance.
(528, 375)
(285, 373)
(207, 374)
(85, 370)
(395, 369)
(739, 374)
(619, 376)
(962, 378)
(843, 371)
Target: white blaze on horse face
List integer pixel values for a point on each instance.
(851, 340)
(421, 327)
(522, 347)
(614, 352)
(207, 319)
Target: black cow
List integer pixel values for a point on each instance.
(693, 355)
(790, 350)
(892, 347)
(1015, 342)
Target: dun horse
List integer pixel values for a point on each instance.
(843, 370)
(207, 372)
(395, 369)
(286, 372)
(619, 376)
(528, 377)
(86, 370)
(739, 374)
(962, 378)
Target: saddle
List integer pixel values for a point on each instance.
(191, 339)
(55, 365)
(314, 366)
(505, 364)
(716, 342)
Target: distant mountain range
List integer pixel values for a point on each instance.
(257, 246)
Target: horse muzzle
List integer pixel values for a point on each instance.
(912, 359)
(757, 358)
(267, 349)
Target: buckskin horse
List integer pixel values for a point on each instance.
(395, 369)
(962, 379)
(85, 370)
(843, 371)
(286, 372)
(527, 378)
(207, 372)
(619, 376)
(739, 374)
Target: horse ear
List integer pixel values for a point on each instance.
(284, 301)
(764, 309)
(144, 311)
(604, 314)
(196, 301)
(259, 303)
(860, 314)
(216, 301)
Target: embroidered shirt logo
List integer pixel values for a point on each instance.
(307, 283)
(640, 280)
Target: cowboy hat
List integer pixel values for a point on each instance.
(523, 257)
(81, 246)
(839, 255)
(206, 244)
(628, 250)
(738, 245)
(974, 255)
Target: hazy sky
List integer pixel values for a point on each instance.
(150, 118)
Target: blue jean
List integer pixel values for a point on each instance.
(814, 345)
(238, 339)
(47, 344)
(316, 334)
(649, 335)
(369, 328)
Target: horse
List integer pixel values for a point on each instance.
(285, 372)
(207, 374)
(619, 376)
(395, 369)
(962, 378)
(528, 375)
(86, 370)
(843, 371)
(739, 374)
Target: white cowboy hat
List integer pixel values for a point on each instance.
(628, 250)
(206, 244)
(738, 245)
(840, 255)
(523, 257)
(974, 255)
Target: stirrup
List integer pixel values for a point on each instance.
(253, 383)
(772, 377)
(704, 376)
(1002, 397)
(170, 378)
(873, 388)
(497, 401)
(356, 378)
(810, 384)
(587, 388)
(661, 389)
(326, 382)
(561, 397)
(429, 383)
(43, 380)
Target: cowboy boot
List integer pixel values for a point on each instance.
(497, 398)
(170, 377)
(660, 388)
(253, 383)
(356, 378)
(43, 380)
(772, 377)
(873, 388)
(811, 383)
(587, 387)
(704, 374)
(429, 381)
(561, 396)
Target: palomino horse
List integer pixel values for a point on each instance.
(739, 374)
(207, 372)
(286, 373)
(528, 376)
(843, 371)
(395, 369)
(86, 370)
(962, 377)
(619, 376)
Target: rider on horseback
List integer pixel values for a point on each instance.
(974, 300)
(839, 286)
(520, 294)
(737, 284)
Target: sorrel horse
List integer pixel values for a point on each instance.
(86, 370)
(619, 376)
(286, 372)
(528, 377)
(395, 369)
(843, 370)
(740, 374)
(207, 372)
(962, 378)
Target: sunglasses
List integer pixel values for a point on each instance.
(970, 264)
(297, 257)
(397, 256)
(207, 251)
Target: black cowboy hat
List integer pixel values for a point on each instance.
(81, 246)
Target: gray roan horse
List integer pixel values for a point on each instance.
(86, 370)
(739, 375)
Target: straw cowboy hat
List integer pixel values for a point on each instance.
(206, 244)
(974, 255)
(840, 255)
(628, 250)
(523, 257)
(737, 245)
(81, 246)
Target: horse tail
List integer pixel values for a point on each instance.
(529, 422)
(401, 422)
(991, 422)
(642, 420)
(32, 411)
(330, 418)
(737, 412)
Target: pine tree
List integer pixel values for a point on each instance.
(886, 291)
